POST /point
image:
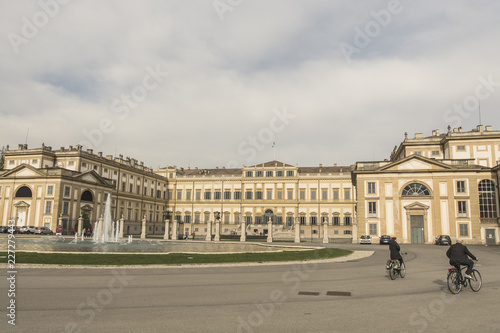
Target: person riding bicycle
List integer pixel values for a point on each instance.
(459, 255)
(394, 249)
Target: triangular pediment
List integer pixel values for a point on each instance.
(414, 163)
(91, 177)
(416, 205)
(21, 204)
(270, 164)
(23, 171)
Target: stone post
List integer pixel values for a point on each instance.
(297, 230)
(269, 230)
(80, 224)
(243, 237)
(143, 232)
(325, 230)
(209, 231)
(175, 231)
(122, 226)
(167, 229)
(217, 230)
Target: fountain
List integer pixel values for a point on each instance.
(105, 230)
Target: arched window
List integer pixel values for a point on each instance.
(487, 199)
(87, 196)
(416, 190)
(24, 192)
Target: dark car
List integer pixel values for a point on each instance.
(384, 239)
(443, 240)
(4, 229)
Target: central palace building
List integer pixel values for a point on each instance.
(446, 183)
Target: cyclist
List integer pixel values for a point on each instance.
(459, 255)
(394, 249)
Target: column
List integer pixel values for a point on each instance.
(209, 231)
(269, 230)
(297, 230)
(167, 229)
(122, 226)
(217, 230)
(325, 230)
(243, 237)
(80, 224)
(143, 232)
(174, 230)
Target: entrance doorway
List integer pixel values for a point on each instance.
(490, 237)
(417, 229)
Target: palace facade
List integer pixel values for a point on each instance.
(442, 184)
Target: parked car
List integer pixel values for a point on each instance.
(384, 239)
(4, 229)
(443, 240)
(25, 229)
(365, 239)
(43, 231)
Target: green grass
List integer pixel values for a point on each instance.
(168, 259)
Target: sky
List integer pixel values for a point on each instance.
(227, 83)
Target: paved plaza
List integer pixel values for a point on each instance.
(346, 296)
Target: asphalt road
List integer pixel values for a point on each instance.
(354, 296)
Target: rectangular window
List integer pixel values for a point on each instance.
(259, 173)
(198, 195)
(279, 173)
(188, 195)
(217, 195)
(248, 220)
(313, 220)
(347, 232)
(302, 194)
(336, 220)
(50, 190)
(289, 194)
(131, 188)
(462, 209)
(279, 195)
(208, 195)
(269, 173)
(313, 194)
(324, 194)
(269, 195)
(461, 186)
(249, 195)
(290, 173)
(460, 148)
(347, 194)
(227, 195)
(35, 161)
(464, 230)
(249, 174)
(435, 152)
(71, 163)
(67, 191)
(170, 194)
(371, 188)
(335, 194)
(347, 220)
(372, 209)
(65, 207)
(236, 219)
(302, 220)
(258, 195)
(237, 195)
(373, 229)
(48, 207)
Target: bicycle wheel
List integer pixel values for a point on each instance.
(392, 273)
(476, 281)
(402, 270)
(454, 282)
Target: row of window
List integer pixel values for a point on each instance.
(289, 220)
(417, 189)
(463, 229)
(259, 195)
(462, 209)
(279, 173)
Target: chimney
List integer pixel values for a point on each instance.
(99, 154)
(488, 128)
(480, 128)
(419, 135)
(90, 151)
(460, 129)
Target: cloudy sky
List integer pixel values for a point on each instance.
(206, 83)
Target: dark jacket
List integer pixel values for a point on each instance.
(458, 254)
(394, 248)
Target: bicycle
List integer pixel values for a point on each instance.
(395, 267)
(456, 281)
